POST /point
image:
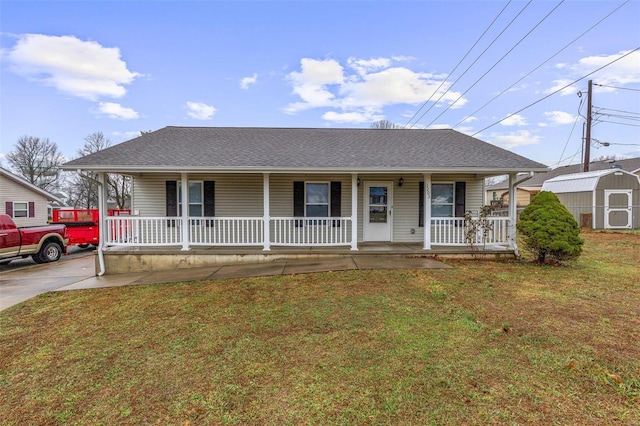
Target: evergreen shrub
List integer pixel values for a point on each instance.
(549, 230)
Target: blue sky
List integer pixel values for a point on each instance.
(71, 68)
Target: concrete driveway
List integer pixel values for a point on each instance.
(79, 273)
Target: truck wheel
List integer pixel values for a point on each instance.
(50, 252)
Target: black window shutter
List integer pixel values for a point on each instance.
(421, 205)
(336, 201)
(209, 198)
(298, 201)
(172, 198)
(8, 208)
(461, 190)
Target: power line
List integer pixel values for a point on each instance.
(539, 66)
(617, 110)
(458, 64)
(473, 63)
(499, 60)
(622, 124)
(557, 91)
(615, 87)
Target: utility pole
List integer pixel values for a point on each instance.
(587, 138)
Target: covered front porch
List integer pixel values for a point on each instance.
(143, 243)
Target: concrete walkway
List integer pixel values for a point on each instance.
(79, 273)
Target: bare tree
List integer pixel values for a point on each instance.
(38, 161)
(83, 190)
(385, 124)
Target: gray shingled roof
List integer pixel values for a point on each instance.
(629, 165)
(289, 149)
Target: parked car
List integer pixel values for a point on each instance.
(43, 243)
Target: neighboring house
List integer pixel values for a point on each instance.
(602, 199)
(298, 189)
(530, 187)
(498, 193)
(27, 204)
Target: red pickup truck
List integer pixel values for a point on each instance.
(43, 243)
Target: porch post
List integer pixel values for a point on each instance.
(185, 211)
(354, 211)
(427, 211)
(266, 212)
(513, 212)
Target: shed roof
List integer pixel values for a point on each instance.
(578, 182)
(234, 149)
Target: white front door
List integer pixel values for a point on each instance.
(617, 209)
(378, 209)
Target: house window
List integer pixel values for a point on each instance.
(442, 200)
(495, 195)
(316, 199)
(20, 209)
(196, 199)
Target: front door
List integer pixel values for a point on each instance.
(617, 209)
(378, 208)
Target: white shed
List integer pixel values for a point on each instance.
(602, 199)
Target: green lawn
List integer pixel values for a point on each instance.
(483, 343)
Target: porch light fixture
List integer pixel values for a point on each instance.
(358, 181)
(401, 182)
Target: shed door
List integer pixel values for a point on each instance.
(617, 209)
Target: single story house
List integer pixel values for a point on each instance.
(27, 204)
(208, 195)
(601, 199)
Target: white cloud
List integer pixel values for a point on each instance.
(623, 72)
(117, 111)
(127, 135)
(365, 66)
(440, 126)
(620, 73)
(560, 85)
(248, 81)
(365, 87)
(352, 117)
(514, 120)
(513, 139)
(79, 68)
(560, 117)
(200, 111)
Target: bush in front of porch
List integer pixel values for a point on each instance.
(549, 230)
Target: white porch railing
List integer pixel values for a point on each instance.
(225, 231)
(284, 231)
(452, 232)
(143, 231)
(306, 231)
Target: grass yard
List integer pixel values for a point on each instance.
(483, 343)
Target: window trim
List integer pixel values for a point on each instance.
(179, 198)
(328, 203)
(25, 210)
(453, 198)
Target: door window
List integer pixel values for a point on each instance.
(378, 204)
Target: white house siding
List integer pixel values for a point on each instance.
(14, 192)
(405, 201)
(236, 194)
(281, 200)
(240, 195)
